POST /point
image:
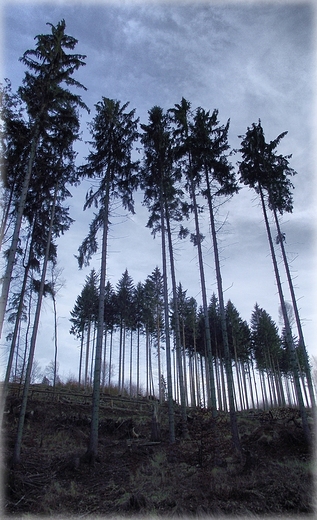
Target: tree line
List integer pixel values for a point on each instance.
(184, 170)
(134, 340)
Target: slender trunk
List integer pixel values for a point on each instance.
(18, 442)
(110, 358)
(87, 352)
(185, 368)
(16, 232)
(92, 355)
(237, 372)
(233, 418)
(93, 440)
(28, 327)
(147, 360)
(171, 419)
(120, 355)
(288, 331)
(104, 364)
(55, 342)
(150, 370)
(13, 343)
(138, 365)
(5, 216)
(218, 378)
(212, 398)
(123, 356)
(177, 328)
(131, 342)
(245, 387)
(81, 356)
(255, 384)
(159, 355)
(297, 318)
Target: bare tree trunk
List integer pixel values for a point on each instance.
(92, 451)
(87, 352)
(104, 364)
(171, 419)
(295, 307)
(55, 342)
(131, 344)
(18, 442)
(81, 356)
(110, 357)
(123, 356)
(138, 365)
(177, 329)
(212, 397)
(161, 397)
(233, 418)
(288, 331)
(13, 343)
(15, 238)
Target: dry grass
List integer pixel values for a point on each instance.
(198, 477)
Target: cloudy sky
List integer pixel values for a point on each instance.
(249, 60)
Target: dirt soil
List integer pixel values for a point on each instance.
(134, 476)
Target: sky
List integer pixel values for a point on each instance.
(251, 61)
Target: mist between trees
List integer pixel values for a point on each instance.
(150, 337)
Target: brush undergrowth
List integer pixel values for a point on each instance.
(201, 476)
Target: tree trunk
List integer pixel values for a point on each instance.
(15, 238)
(13, 341)
(110, 358)
(288, 331)
(177, 329)
(131, 343)
(212, 398)
(297, 318)
(138, 365)
(233, 418)
(171, 419)
(18, 442)
(92, 451)
(87, 353)
(55, 341)
(81, 357)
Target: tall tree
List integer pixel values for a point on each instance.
(280, 239)
(114, 131)
(54, 167)
(262, 169)
(183, 135)
(156, 183)
(45, 95)
(211, 155)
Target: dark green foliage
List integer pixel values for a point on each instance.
(86, 306)
(114, 132)
(261, 166)
(265, 338)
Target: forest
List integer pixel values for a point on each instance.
(165, 345)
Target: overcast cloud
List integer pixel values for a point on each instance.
(249, 61)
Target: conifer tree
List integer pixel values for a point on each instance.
(114, 132)
(266, 172)
(46, 96)
(157, 183)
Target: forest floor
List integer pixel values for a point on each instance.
(133, 476)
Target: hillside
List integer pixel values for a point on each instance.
(134, 475)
